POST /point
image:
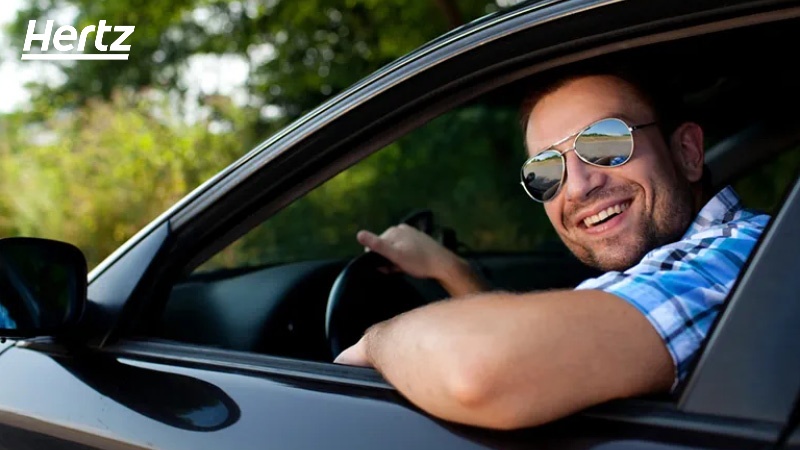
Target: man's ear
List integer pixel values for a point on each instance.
(686, 144)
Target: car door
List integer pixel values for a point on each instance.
(117, 387)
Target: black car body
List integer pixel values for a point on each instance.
(163, 360)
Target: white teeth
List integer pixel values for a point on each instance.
(604, 214)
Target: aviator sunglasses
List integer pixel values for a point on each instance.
(605, 143)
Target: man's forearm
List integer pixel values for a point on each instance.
(459, 279)
(505, 361)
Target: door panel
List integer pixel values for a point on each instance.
(272, 412)
(95, 400)
(12, 438)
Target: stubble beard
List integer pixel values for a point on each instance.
(672, 214)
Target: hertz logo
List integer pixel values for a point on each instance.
(64, 41)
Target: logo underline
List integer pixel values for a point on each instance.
(74, 56)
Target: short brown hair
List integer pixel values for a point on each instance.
(661, 96)
(656, 94)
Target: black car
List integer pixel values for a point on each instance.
(173, 346)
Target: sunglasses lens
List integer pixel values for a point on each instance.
(541, 175)
(606, 143)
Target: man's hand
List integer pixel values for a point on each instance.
(411, 250)
(355, 355)
(418, 255)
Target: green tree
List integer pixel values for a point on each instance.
(94, 159)
(95, 176)
(298, 52)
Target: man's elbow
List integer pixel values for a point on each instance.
(479, 400)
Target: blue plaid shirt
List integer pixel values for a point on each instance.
(681, 286)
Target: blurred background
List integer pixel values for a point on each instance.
(92, 151)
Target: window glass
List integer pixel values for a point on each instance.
(764, 187)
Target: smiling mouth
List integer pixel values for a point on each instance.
(606, 214)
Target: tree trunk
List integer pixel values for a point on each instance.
(451, 13)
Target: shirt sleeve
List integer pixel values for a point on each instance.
(680, 287)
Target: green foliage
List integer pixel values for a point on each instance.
(95, 176)
(93, 160)
(463, 166)
(765, 187)
(317, 47)
(153, 53)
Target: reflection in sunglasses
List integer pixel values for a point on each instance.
(606, 143)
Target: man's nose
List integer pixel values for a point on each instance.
(582, 178)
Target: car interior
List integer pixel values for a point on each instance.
(738, 84)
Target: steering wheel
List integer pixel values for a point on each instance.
(363, 295)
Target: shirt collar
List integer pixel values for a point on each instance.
(720, 209)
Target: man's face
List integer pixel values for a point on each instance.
(654, 197)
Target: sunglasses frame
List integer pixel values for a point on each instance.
(575, 136)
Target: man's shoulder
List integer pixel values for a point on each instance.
(741, 223)
(722, 219)
(751, 217)
(736, 234)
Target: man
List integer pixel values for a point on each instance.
(622, 185)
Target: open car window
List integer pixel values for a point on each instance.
(462, 167)
(267, 291)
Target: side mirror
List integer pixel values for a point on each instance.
(42, 287)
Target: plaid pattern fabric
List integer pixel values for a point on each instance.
(681, 286)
